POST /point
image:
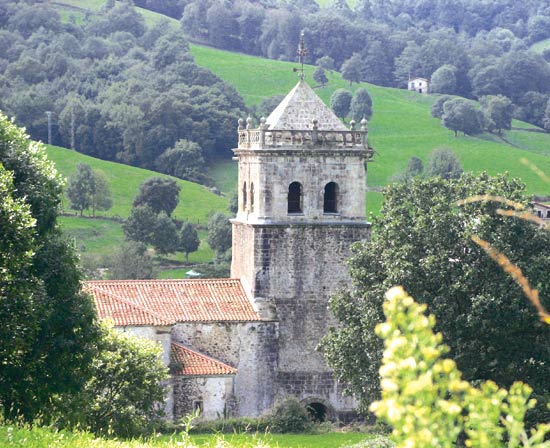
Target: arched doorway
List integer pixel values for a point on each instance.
(317, 411)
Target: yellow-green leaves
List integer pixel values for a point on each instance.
(425, 399)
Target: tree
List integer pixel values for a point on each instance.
(101, 194)
(165, 235)
(461, 115)
(184, 160)
(320, 76)
(444, 163)
(326, 63)
(532, 107)
(221, 25)
(340, 102)
(125, 394)
(352, 69)
(422, 240)
(487, 80)
(159, 193)
(498, 112)
(131, 262)
(269, 104)
(437, 107)
(188, 239)
(444, 80)
(414, 167)
(361, 104)
(48, 334)
(546, 119)
(140, 224)
(89, 189)
(378, 64)
(526, 69)
(17, 292)
(219, 233)
(80, 187)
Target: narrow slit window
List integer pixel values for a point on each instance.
(251, 196)
(198, 406)
(295, 197)
(244, 196)
(330, 203)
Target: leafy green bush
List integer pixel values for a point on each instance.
(125, 395)
(289, 415)
(425, 399)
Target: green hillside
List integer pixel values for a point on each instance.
(400, 128)
(196, 201)
(101, 235)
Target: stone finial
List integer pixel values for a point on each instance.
(241, 124)
(364, 124)
(249, 122)
(315, 123)
(352, 125)
(262, 123)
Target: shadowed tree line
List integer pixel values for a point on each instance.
(468, 48)
(117, 90)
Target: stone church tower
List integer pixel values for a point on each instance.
(302, 187)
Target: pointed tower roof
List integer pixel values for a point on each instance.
(299, 108)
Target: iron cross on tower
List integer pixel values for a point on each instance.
(302, 51)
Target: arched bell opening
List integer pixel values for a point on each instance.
(295, 197)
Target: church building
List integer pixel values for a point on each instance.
(234, 346)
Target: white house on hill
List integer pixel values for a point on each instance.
(420, 85)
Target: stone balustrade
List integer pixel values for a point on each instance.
(263, 138)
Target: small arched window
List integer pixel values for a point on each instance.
(330, 202)
(295, 197)
(244, 197)
(251, 196)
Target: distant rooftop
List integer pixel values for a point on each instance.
(299, 108)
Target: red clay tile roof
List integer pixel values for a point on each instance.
(195, 363)
(166, 302)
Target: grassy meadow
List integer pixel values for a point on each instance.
(42, 437)
(400, 128)
(100, 235)
(196, 201)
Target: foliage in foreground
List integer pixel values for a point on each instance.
(12, 436)
(47, 325)
(125, 395)
(425, 398)
(423, 242)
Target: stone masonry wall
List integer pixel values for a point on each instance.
(250, 347)
(215, 393)
(272, 172)
(297, 268)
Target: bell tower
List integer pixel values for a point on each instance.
(302, 188)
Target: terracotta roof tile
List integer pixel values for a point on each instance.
(195, 363)
(166, 302)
